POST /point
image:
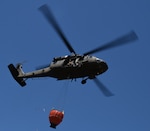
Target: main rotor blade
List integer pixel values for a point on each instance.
(105, 91)
(51, 19)
(130, 37)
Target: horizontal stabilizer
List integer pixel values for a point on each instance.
(15, 74)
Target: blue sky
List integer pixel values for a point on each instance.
(25, 36)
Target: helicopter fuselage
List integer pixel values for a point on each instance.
(77, 67)
(70, 67)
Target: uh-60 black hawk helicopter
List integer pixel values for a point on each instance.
(72, 66)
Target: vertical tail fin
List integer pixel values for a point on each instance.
(19, 69)
(16, 72)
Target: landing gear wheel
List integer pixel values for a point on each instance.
(83, 81)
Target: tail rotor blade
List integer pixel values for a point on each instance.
(104, 90)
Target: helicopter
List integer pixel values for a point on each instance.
(73, 66)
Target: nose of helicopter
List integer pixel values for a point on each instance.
(102, 66)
